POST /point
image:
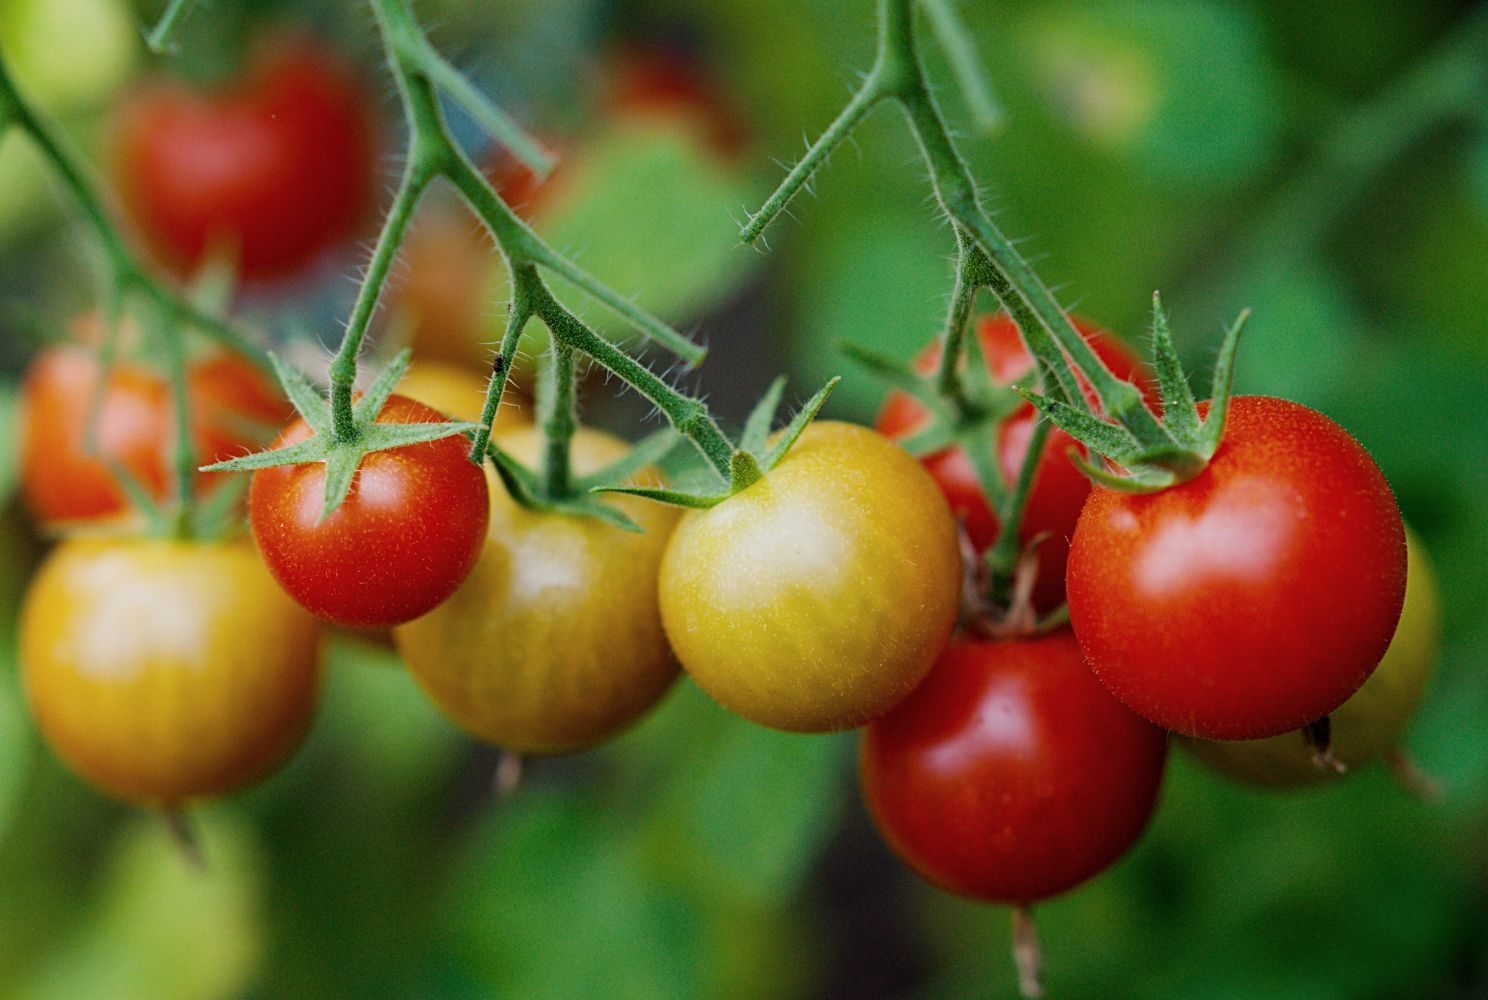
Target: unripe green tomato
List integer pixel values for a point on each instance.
(819, 596)
(1367, 726)
(553, 642)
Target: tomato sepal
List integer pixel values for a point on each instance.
(1134, 462)
(523, 487)
(342, 457)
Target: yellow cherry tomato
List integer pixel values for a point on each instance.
(162, 671)
(819, 596)
(1367, 726)
(458, 392)
(554, 641)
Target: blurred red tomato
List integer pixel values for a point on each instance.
(275, 168)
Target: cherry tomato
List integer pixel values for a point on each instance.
(406, 535)
(1254, 598)
(1010, 774)
(162, 671)
(234, 407)
(1369, 725)
(554, 641)
(275, 168)
(459, 393)
(1059, 489)
(820, 595)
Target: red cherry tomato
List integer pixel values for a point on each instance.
(234, 408)
(1254, 598)
(1010, 774)
(1059, 489)
(276, 168)
(406, 536)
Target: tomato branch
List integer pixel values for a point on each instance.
(421, 75)
(161, 38)
(127, 274)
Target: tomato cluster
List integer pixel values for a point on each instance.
(1006, 755)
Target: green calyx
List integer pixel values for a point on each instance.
(341, 449)
(754, 457)
(1143, 455)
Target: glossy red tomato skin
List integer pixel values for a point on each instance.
(278, 167)
(406, 536)
(63, 482)
(1059, 489)
(1010, 775)
(1254, 598)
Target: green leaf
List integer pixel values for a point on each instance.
(928, 440)
(588, 506)
(1107, 439)
(341, 466)
(650, 450)
(303, 396)
(312, 449)
(649, 205)
(798, 424)
(382, 437)
(757, 427)
(1134, 481)
(156, 521)
(376, 397)
(677, 498)
(1224, 371)
(1180, 410)
(216, 516)
(521, 483)
(155, 927)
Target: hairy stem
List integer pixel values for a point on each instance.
(416, 178)
(558, 414)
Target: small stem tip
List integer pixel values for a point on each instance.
(508, 774)
(182, 833)
(1028, 954)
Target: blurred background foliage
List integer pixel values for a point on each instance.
(1325, 164)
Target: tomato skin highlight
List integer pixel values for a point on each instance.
(275, 168)
(820, 595)
(63, 482)
(163, 671)
(408, 532)
(1371, 723)
(554, 642)
(1059, 489)
(1254, 598)
(1010, 775)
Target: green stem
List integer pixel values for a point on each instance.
(690, 416)
(127, 274)
(969, 281)
(497, 123)
(160, 37)
(185, 462)
(519, 312)
(1002, 557)
(416, 178)
(955, 40)
(863, 101)
(558, 413)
